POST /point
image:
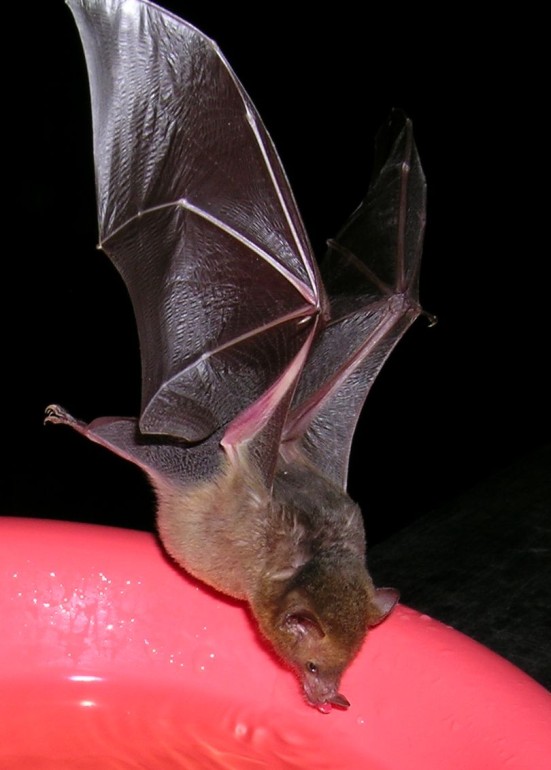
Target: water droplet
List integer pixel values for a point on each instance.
(203, 659)
(84, 678)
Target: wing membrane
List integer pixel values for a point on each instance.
(196, 213)
(371, 271)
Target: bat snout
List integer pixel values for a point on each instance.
(325, 707)
(323, 696)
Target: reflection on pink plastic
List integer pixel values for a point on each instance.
(111, 658)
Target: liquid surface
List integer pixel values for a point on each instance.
(111, 657)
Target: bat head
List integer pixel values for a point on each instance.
(322, 620)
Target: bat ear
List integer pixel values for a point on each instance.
(299, 619)
(382, 603)
(301, 624)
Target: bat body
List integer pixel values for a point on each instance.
(254, 365)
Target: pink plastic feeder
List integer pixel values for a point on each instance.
(112, 658)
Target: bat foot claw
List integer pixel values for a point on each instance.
(56, 415)
(431, 318)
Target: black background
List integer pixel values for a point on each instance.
(455, 402)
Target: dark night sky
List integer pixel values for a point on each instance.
(455, 402)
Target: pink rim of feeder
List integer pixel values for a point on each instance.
(110, 657)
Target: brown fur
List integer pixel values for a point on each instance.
(297, 556)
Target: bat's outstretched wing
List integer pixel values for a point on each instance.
(197, 215)
(371, 272)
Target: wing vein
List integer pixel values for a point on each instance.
(311, 405)
(302, 313)
(184, 203)
(254, 123)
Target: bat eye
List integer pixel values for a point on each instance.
(312, 668)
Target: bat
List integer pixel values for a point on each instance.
(255, 361)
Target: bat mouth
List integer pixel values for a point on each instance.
(326, 705)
